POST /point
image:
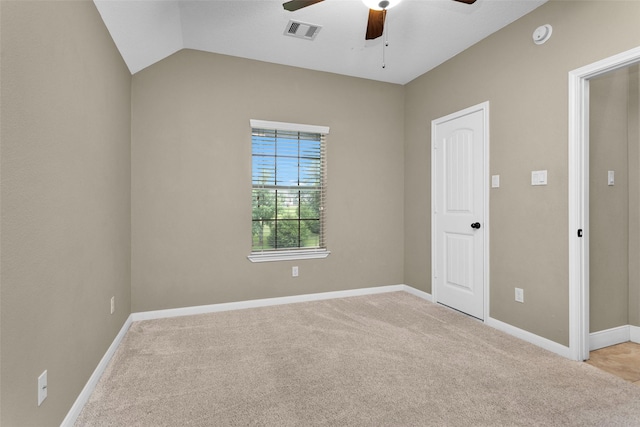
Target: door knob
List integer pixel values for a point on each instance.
(475, 225)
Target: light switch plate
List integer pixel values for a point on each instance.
(42, 387)
(495, 181)
(539, 177)
(611, 178)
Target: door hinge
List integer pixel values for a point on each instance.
(579, 232)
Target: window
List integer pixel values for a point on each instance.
(288, 191)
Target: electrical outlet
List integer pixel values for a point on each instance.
(113, 305)
(519, 295)
(42, 387)
(294, 271)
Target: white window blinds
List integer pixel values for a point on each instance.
(288, 187)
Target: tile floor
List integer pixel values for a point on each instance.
(622, 360)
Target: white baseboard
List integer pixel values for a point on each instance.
(614, 336)
(84, 395)
(609, 337)
(534, 339)
(417, 292)
(267, 302)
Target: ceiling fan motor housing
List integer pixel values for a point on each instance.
(380, 4)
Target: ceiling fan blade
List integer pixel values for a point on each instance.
(466, 1)
(375, 26)
(294, 5)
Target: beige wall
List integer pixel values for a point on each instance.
(634, 195)
(65, 250)
(526, 86)
(609, 205)
(191, 179)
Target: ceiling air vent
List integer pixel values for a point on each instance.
(302, 30)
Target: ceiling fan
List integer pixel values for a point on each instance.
(377, 12)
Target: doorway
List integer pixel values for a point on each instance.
(459, 183)
(580, 233)
(614, 211)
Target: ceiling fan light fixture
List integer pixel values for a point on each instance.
(380, 4)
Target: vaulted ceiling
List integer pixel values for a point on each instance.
(421, 34)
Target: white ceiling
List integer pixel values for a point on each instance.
(422, 33)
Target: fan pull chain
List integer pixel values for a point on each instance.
(385, 44)
(383, 63)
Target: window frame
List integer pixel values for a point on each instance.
(295, 253)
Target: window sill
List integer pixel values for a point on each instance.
(288, 255)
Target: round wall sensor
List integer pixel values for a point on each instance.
(542, 34)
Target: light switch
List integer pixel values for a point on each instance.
(539, 177)
(495, 181)
(42, 387)
(611, 178)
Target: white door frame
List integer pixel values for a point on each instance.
(579, 195)
(484, 107)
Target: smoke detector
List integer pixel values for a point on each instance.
(542, 34)
(302, 30)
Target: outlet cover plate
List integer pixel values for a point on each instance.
(519, 295)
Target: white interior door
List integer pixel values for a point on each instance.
(459, 181)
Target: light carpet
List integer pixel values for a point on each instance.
(379, 360)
